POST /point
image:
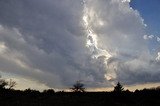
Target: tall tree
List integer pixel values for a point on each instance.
(11, 84)
(118, 88)
(3, 83)
(78, 87)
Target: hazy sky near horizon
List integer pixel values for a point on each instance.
(53, 43)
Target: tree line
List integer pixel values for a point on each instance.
(79, 86)
(78, 96)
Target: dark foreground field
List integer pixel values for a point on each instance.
(50, 98)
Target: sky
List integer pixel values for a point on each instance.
(151, 15)
(52, 43)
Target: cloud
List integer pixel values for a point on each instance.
(158, 57)
(145, 37)
(148, 37)
(158, 39)
(151, 37)
(59, 42)
(126, 0)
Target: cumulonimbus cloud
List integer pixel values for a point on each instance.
(52, 42)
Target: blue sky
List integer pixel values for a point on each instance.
(150, 11)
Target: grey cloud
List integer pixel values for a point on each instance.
(46, 41)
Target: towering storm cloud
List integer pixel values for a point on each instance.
(58, 42)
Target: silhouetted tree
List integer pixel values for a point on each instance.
(49, 91)
(11, 84)
(31, 91)
(78, 87)
(118, 88)
(3, 83)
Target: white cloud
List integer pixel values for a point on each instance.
(158, 57)
(145, 37)
(126, 0)
(151, 36)
(148, 37)
(158, 39)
